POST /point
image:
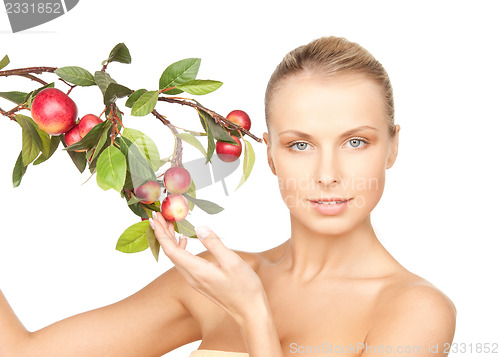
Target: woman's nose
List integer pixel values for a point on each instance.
(328, 169)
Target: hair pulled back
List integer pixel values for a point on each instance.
(331, 56)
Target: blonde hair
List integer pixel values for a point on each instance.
(332, 55)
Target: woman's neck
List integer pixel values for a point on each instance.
(310, 255)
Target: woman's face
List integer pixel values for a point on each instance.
(317, 151)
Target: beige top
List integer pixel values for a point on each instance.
(215, 353)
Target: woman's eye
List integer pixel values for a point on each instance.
(300, 145)
(356, 142)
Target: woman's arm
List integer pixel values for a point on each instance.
(260, 334)
(151, 322)
(12, 331)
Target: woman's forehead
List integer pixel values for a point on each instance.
(314, 102)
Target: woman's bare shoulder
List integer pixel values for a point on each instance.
(412, 306)
(407, 287)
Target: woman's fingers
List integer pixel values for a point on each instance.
(225, 256)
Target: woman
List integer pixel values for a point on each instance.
(332, 288)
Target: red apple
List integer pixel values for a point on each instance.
(228, 152)
(54, 111)
(73, 136)
(177, 179)
(241, 118)
(87, 123)
(149, 192)
(174, 207)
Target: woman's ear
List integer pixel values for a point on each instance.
(393, 148)
(269, 157)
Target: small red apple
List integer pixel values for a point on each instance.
(87, 123)
(149, 192)
(241, 118)
(174, 207)
(54, 111)
(177, 179)
(73, 136)
(228, 152)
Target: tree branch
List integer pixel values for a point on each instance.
(217, 117)
(7, 114)
(26, 71)
(33, 78)
(177, 158)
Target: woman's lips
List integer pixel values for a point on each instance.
(330, 209)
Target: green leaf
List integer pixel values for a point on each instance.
(210, 137)
(111, 169)
(153, 243)
(179, 72)
(146, 146)
(15, 97)
(45, 140)
(192, 193)
(19, 170)
(207, 206)
(76, 75)
(195, 133)
(139, 210)
(139, 168)
(78, 158)
(103, 80)
(133, 239)
(248, 162)
(133, 199)
(92, 137)
(187, 137)
(199, 86)
(4, 62)
(145, 104)
(104, 142)
(217, 130)
(54, 144)
(119, 53)
(31, 139)
(115, 91)
(133, 97)
(186, 228)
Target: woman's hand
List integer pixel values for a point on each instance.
(231, 283)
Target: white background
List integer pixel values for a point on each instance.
(438, 216)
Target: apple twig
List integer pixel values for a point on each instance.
(177, 157)
(217, 117)
(27, 71)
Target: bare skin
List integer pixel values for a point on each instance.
(331, 284)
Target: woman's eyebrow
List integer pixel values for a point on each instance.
(347, 133)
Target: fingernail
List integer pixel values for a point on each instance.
(151, 223)
(202, 231)
(154, 214)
